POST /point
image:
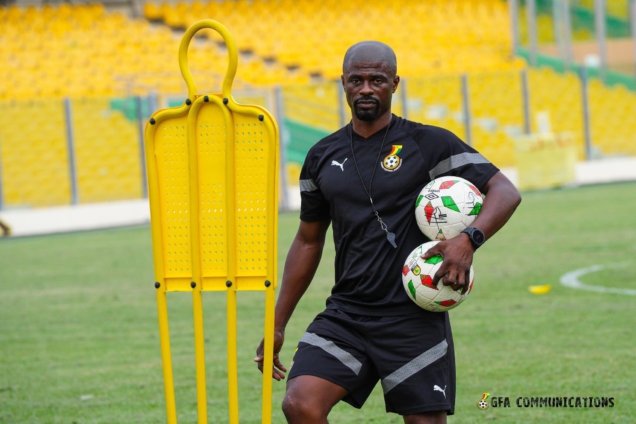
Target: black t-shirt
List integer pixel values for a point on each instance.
(367, 268)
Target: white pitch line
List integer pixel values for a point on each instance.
(571, 279)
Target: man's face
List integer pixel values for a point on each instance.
(369, 87)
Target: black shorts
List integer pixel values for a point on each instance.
(412, 356)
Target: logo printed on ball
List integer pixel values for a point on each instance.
(446, 206)
(417, 278)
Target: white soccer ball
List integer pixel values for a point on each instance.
(446, 206)
(417, 277)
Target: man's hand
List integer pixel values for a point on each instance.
(277, 373)
(458, 251)
(458, 257)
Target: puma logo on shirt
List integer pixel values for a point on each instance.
(341, 165)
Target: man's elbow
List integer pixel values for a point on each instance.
(515, 197)
(508, 193)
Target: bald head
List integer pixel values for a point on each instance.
(370, 51)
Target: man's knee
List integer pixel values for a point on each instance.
(309, 399)
(296, 406)
(435, 417)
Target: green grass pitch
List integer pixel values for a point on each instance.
(79, 340)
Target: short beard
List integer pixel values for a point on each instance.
(367, 115)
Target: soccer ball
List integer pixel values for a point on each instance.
(446, 206)
(417, 277)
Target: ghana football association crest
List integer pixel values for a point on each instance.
(483, 404)
(392, 162)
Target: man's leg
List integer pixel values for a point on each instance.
(309, 399)
(436, 417)
(6, 230)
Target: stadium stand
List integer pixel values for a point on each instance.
(34, 154)
(314, 35)
(106, 152)
(614, 8)
(85, 50)
(99, 58)
(581, 19)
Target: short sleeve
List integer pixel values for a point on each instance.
(451, 156)
(313, 206)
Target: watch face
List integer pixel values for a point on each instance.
(478, 236)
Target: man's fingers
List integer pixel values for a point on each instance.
(445, 273)
(458, 282)
(277, 375)
(278, 365)
(439, 275)
(466, 281)
(435, 250)
(259, 349)
(277, 369)
(451, 279)
(259, 352)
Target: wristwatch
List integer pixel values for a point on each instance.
(476, 236)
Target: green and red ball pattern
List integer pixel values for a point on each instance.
(446, 206)
(417, 277)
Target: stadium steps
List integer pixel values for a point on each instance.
(91, 52)
(459, 35)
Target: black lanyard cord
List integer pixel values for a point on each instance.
(389, 236)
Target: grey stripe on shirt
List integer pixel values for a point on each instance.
(308, 185)
(456, 161)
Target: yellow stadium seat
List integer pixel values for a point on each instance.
(85, 50)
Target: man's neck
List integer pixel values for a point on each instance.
(368, 128)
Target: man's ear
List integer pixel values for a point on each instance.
(396, 82)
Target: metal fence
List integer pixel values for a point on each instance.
(598, 33)
(71, 151)
(490, 110)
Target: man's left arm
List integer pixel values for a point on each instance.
(502, 198)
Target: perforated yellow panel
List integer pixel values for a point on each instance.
(210, 138)
(252, 155)
(171, 150)
(212, 180)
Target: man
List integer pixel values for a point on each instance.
(6, 230)
(371, 330)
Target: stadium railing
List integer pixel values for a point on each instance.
(81, 150)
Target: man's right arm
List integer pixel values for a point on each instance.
(300, 266)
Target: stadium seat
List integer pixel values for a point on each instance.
(84, 51)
